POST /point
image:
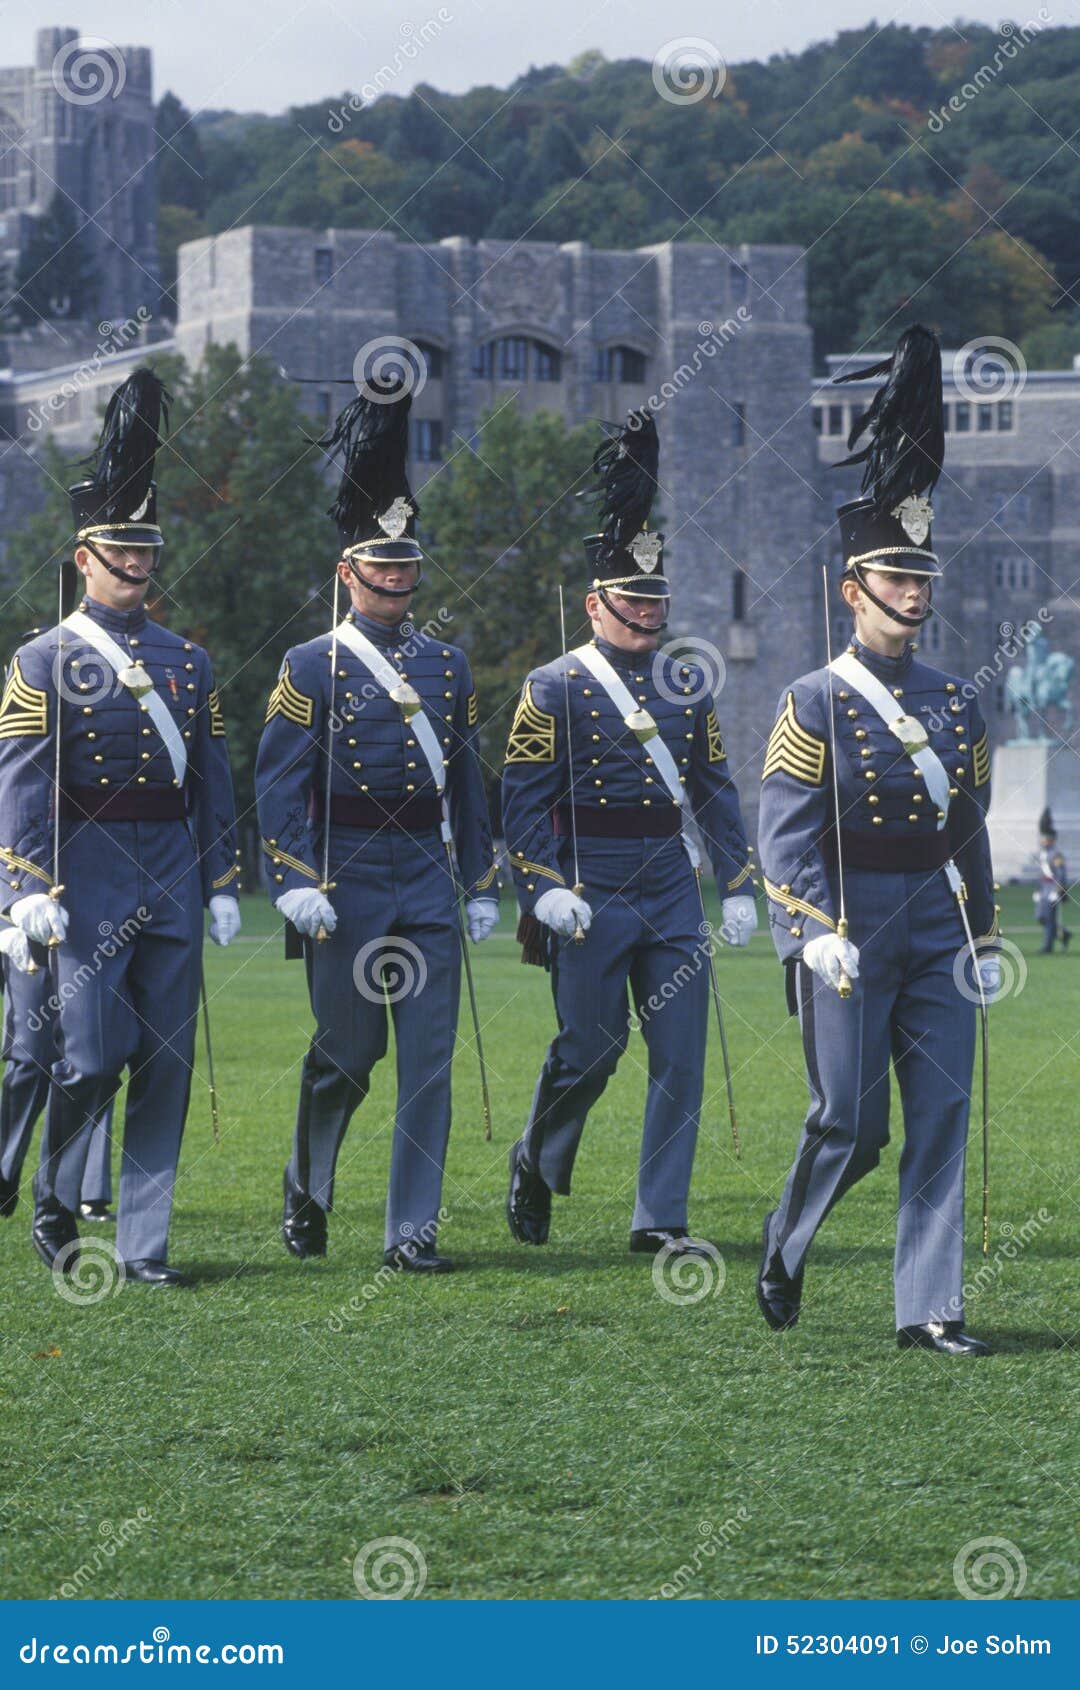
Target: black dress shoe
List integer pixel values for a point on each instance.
(9, 1196)
(303, 1222)
(96, 1211)
(146, 1271)
(779, 1296)
(528, 1202)
(55, 1228)
(416, 1258)
(647, 1240)
(947, 1337)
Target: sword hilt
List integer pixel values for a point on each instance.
(579, 931)
(843, 985)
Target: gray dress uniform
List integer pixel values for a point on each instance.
(900, 811)
(140, 856)
(906, 1007)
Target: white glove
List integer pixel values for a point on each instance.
(16, 947)
(308, 909)
(739, 920)
(40, 916)
(563, 911)
(224, 919)
(481, 915)
(829, 955)
(990, 976)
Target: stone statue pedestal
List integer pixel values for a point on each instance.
(1027, 778)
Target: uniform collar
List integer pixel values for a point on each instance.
(115, 621)
(624, 660)
(887, 669)
(384, 634)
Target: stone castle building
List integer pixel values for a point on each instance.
(79, 122)
(719, 344)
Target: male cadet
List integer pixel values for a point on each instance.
(115, 865)
(29, 1051)
(390, 716)
(897, 848)
(1053, 886)
(611, 743)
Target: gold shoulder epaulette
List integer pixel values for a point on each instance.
(792, 750)
(980, 760)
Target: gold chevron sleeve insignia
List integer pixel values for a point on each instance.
(217, 720)
(980, 761)
(472, 711)
(793, 751)
(532, 736)
(717, 754)
(288, 701)
(24, 710)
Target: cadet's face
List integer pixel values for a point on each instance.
(392, 575)
(909, 594)
(648, 613)
(109, 589)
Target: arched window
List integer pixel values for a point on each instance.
(621, 364)
(516, 357)
(433, 358)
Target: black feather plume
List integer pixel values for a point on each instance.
(371, 436)
(626, 467)
(905, 421)
(130, 437)
(1046, 822)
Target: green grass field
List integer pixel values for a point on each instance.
(544, 1423)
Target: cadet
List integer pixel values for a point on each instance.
(1053, 887)
(907, 748)
(29, 1051)
(113, 869)
(393, 713)
(612, 745)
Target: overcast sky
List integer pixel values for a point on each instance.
(264, 55)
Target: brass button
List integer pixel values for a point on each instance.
(950, 686)
(916, 797)
(898, 692)
(866, 751)
(860, 733)
(586, 692)
(146, 756)
(876, 820)
(953, 791)
(141, 779)
(870, 775)
(913, 818)
(843, 694)
(873, 798)
(852, 713)
(960, 772)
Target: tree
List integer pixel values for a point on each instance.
(181, 167)
(505, 529)
(248, 548)
(55, 275)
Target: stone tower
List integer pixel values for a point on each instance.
(79, 122)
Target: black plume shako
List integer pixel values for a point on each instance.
(889, 527)
(116, 502)
(626, 466)
(905, 419)
(374, 506)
